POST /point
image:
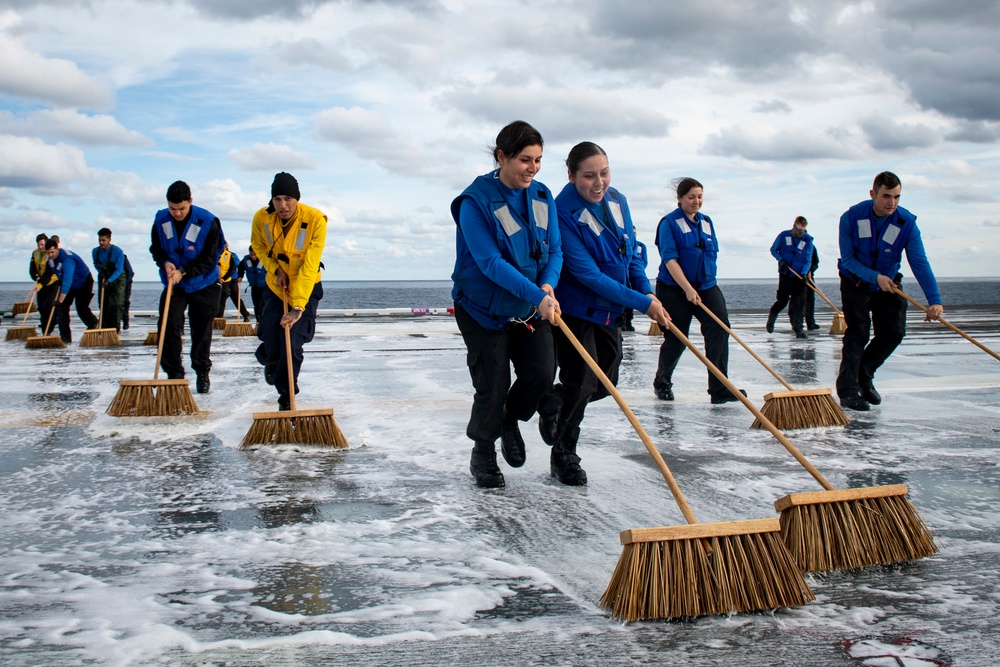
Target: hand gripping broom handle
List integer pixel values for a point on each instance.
(660, 463)
(746, 347)
(288, 354)
(792, 449)
(163, 328)
(948, 324)
(31, 300)
(815, 288)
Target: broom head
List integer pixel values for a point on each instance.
(152, 398)
(43, 342)
(100, 338)
(238, 329)
(21, 333)
(22, 307)
(297, 427)
(851, 528)
(804, 408)
(703, 569)
(839, 325)
(654, 329)
(219, 323)
(152, 337)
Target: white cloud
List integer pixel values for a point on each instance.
(270, 157)
(32, 163)
(97, 130)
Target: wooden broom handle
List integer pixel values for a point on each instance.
(948, 324)
(49, 323)
(288, 354)
(102, 288)
(746, 347)
(31, 300)
(163, 328)
(641, 432)
(815, 288)
(792, 449)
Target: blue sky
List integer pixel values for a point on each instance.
(384, 111)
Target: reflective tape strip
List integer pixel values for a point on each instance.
(706, 228)
(541, 211)
(192, 233)
(267, 234)
(300, 240)
(168, 230)
(788, 240)
(864, 229)
(891, 232)
(683, 225)
(616, 213)
(507, 221)
(802, 244)
(588, 219)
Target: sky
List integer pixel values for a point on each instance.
(384, 111)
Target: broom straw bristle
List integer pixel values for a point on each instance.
(238, 329)
(801, 409)
(298, 427)
(831, 530)
(22, 307)
(747, 570)
(152, 337)
(219, 323)
(839, 325)
(153, 398)
(21, 333)
(100, 338)
(654, 329)
(44, 342)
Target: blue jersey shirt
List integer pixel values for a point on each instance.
(693, 245)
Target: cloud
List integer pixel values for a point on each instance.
(270, 157)
(975, 132)
(98, 130)
(32, 164)
(369, 135)
(248, 10)
(777, 145)
(26, 74)
(772, 106)
(884, 134)
(311, 51)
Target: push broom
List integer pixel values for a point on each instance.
(26, 306)
(156, 397)
(949, 325)
(43, 341)
(302, 427)
(840, 529)
(839, 324)
(792, 409)
(238, 328)
(701, 568)
(100, 337)
(24, 332)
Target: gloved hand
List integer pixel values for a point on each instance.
(782, 264)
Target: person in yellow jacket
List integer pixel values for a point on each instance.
(288, 237)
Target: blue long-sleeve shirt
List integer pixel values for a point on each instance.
(112, 256)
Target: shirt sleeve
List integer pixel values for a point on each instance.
(916, 257)
(309, 272)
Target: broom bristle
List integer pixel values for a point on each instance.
(153, 398)
(152, 338)
(801, 409)
(654, 329)
(219, 323)
(747, 570)
(238, 329)
(839, 325)
(43, 342)
(22, 307)
(880, 527)
(21, 333)
(100, 338)
(297, 427)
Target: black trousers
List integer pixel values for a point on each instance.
(201, 307)
(791, 293)
(863, 310)
(271, 351)
(257, 296)
(82, 296)
(126, 303)
(111, 303)
(578, 385)
(490, 354)
(231, 291)
(810, 307)
(716, 339)
(46, 302)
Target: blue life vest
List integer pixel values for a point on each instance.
(106, 263)
(65, 263)
(797, 252)
(696, 245)
(879, 249)
(255, 272)
(606, 232)
(185, 249)
(523, 243)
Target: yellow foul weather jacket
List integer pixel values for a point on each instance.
(297, 248)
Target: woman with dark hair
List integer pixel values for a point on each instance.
(602, 274)
(507, 265)
(689, 250)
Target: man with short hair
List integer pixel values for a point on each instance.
(873, 236)
(76, 285)
(187, 241)
(48, 282)
(109, 261)
(793, 248)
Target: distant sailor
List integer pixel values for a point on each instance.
(47, 280)
(76, 284)
(793, 248)
(109, 261)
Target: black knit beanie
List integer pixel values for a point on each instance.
(285, 184)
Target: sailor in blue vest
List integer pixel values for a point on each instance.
(793, 248)
(186, 244)
(48, 282)
(689, 250)
(109, 261)
(507, 264)
(873, 236)
(256, 276)
(76, 284)
(602, 273)
(127, 300)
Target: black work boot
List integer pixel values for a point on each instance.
(665, 393)
(564, 464)
(772, 317)
(202, 383)
(854, 402)
(866, 387)
(484, 466)
(511, 442)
